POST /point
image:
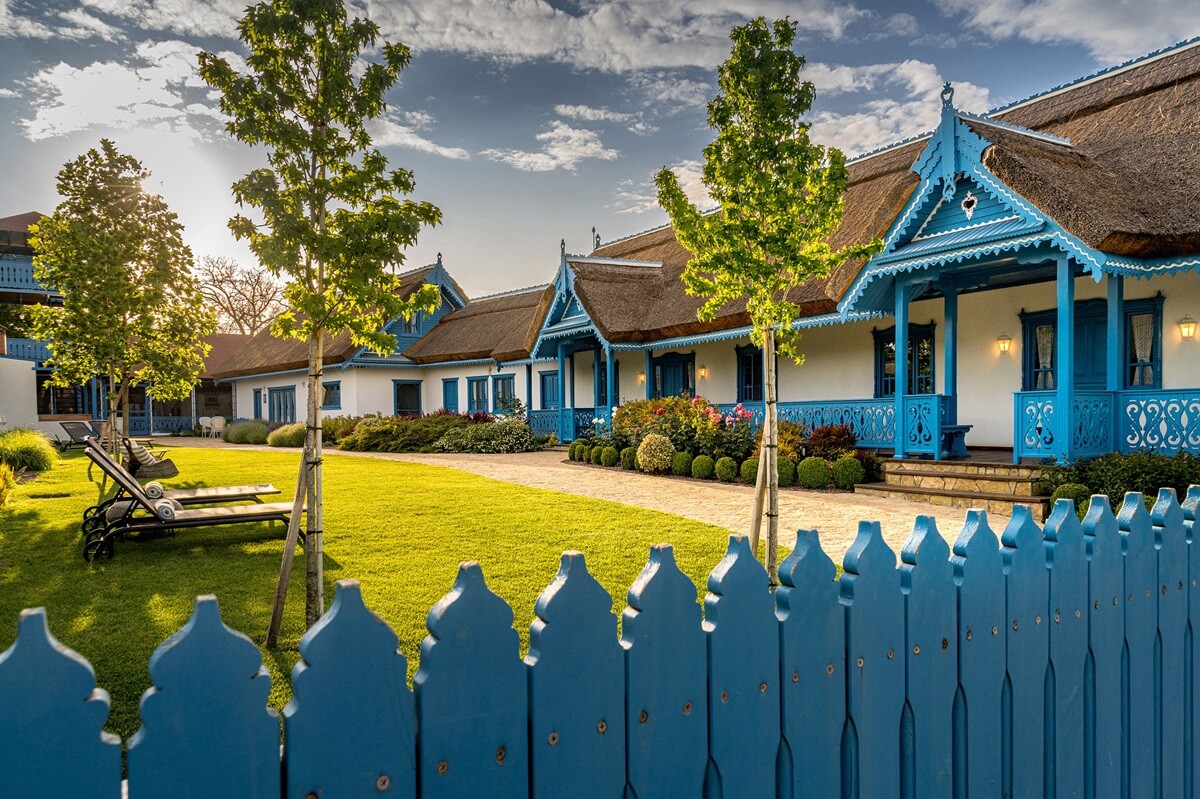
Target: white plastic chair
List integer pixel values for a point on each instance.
(218, 426)
(205, 425)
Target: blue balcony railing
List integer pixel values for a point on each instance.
(543, 423)
(16, 274)
(28, 349)
(1164, 421)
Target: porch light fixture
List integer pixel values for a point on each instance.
(1187, 328)
(1004, 342)
(702, 372)
(641, 377)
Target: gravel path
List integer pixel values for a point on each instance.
(834, 514)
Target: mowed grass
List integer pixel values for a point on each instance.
(401, 529)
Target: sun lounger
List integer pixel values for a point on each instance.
(77, 434)
(143, 514)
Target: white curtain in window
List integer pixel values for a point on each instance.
(1143, 344)
(1045, 356)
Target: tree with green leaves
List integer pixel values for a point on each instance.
(780, 196)
(131, 311)
(329, 216)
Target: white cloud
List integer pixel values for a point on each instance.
(670, 92)
(586, 113)
(1112, 31)
(9, 94)
(79, 24)
(388, 131)
(182, 17)
(563, 147)
(640, 198)
(19, 25)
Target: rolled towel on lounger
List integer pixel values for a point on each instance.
(153, 489)
(165, 509)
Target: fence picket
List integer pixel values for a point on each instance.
(1170, 541)
(1106, 638)
(1140, 570)
(471, 697)
(1066, 557)
(1026, 597)
(51, 715)
(931, 679)
(666, 673)
(875, 664)
(576, 689)
(743, 677)
(812, 643)
(979, 578)
(350, 727)
(1191, 509)
(209, 685)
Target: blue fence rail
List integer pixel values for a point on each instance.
(28, 349)
(543, 423)
(16, 274)
(1054, 661)
(142, 425)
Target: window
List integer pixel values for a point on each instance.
(503, 393)
(281, 404)
(477, 395)
(1143, 343)
(332, 398)
(412, 324)
(920, 360)
(549, 394)
(407, 397)
(749, 374)
(674, 374)
(257, 403)
(606, 399)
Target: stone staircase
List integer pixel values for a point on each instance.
(995, 487)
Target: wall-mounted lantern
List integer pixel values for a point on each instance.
(1187, 328)
(1004, 343)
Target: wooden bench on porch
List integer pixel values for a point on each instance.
(954, 440)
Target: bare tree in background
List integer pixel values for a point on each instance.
(245, 299)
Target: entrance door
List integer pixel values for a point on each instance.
(450, 395)
(1091, 336)
(549, 391)
(674, 374)
(281, 404)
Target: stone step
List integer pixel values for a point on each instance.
(974, 468)
(963, 481)
(999, 504)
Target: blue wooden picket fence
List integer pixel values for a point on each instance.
(1056, 661)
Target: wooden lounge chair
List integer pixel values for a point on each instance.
(145, 515)
(77, 435)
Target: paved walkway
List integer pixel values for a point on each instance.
(834, 514)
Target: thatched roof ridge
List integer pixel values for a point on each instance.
(502, 327)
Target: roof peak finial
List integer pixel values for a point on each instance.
(947, 95)
(562, 245)
(439, 259)
(595, 238)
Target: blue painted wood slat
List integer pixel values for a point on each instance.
(51, 715)
(812, 642)
(743, 677)
(875, 664)
(350, 727)
(1066, 558)
(1026, 597)
(666, 672)
(576, 689)
(1140, 571)
(1191, 509)
(931, 679)
(209, 685)
(1171, 543)
(979, 579)
(1106, 639)
(471, 697)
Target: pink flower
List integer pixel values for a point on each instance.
(660, 411)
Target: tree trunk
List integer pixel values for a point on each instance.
(760, 493)
(314, 593)
(771, 439)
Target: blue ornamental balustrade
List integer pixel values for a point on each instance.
(582, 421)
(16, 274)
(1052, 660)
(1164, 421)
(28, 349)
(543, 423)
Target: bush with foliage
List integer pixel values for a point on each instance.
(703, 467)
(573, 450)
(250, 432)
(871, 463)
(629, 459)
(597, 455)
(1115, 473)
(726, 469)
(609, 456)
(8, 481)
(290, 435)
(813, 472)
(847, 472)
(831, 441)
(403, 433)
(511, 435)
(585, 453)
(749, 471)
(681, 464)
(26, 450)
(691, 425)
(1077, 493)
(787, 472)
(335, 428)
(654, 454)
(791, 440)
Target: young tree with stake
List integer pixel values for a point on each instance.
(780, 198)
(329, 215)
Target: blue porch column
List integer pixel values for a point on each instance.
(649, 374)
(571, 369)
(597, 400)
(1064, 369)
(901, 364)
(565, 428)
(950, 311)
(611, 400)
(1114, 368)
(529, 389)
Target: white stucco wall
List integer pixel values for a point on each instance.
(18, 394)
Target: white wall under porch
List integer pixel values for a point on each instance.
(18, 394)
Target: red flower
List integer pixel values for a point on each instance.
(660, 411)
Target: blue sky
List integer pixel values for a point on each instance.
(529, 121)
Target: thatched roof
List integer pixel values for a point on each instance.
(14, 232)
(1128, 184)
(266, 353)
(501, 327)
(223, 346)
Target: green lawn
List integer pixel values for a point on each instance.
(399, 528)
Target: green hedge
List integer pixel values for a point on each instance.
(26, 450)
(1079, 494)
(681, 464)
(609, 456)
(787, 472)
(1115, 474)
(813, 473)
(251, 432)
(290, 435)
(597, 455)
(847, 472)
(511, 435)
(750, 471)
(402, 433)
(629, 459)
(726, 469)
(703, 467)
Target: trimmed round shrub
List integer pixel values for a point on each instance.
(681, 464)
(787, 472)
(290, 435)
(597, 455)
(609, 456)
(847, 472)
(750, 471)
(726, 469)
(813, 472)
(246, 433)
(1078, 493)
(703, 467)
(629, 458)
(24, 450)
(573, 451)
(585, 453)
(655, 453)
